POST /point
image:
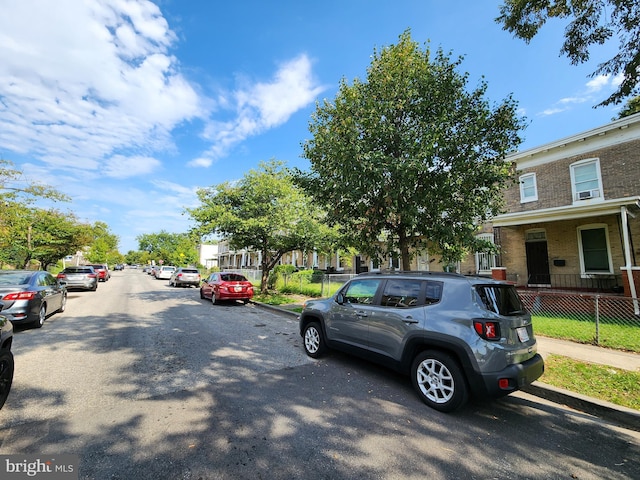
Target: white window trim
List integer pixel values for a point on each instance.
(574, 192)
(533, 198)
(594, 226)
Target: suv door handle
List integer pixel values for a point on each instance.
(361, 313)
(409, 319)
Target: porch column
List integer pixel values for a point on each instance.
(624, 214)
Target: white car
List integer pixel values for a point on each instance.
(165, 272)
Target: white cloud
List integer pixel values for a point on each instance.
(265, 105)
(598, 83)
(200, 162)
(80, 80)
(120, 166)
(588, 94)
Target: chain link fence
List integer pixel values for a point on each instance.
(604, 320)
(611, 321)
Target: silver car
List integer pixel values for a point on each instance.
(455, 336)
(185, 277)
(82, 277)
(164, 272)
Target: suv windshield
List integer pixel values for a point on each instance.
(501, 299)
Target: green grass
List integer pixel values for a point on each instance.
(611, 335)
(613, 385)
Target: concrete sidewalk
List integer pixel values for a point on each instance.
(625, 417)
(589, 353)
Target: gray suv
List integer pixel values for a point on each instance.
(454, 335)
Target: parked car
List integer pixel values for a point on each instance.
(30, 296)
(165, 272)
(185, 277)
(454, 335)
(119, 266)
(227, 286)
(6, 357)
(103, 271)
(82, 277)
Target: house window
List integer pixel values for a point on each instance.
(595, 255)
(528, 188)
(586, 181)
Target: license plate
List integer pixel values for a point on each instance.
(523, 335)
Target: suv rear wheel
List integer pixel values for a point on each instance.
(314, 344)
(439, 381)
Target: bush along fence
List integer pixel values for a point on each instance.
(603, 320)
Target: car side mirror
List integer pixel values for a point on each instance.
(340, 298)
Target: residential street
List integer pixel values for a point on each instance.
(145, 381)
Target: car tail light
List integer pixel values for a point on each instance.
(504, 384)
(488, 330)
(20, 296)
(61, 275)
(91, 275)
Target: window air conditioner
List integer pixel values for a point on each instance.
(587, 194)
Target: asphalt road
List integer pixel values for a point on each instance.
(144, 381)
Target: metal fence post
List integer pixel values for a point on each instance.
(597, 319)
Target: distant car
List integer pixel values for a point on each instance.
(103, 271)
(227, 286)
(185, 277)
(82, 277)
(6, 357)
(30, 296)
(118, 267)
(165, 272)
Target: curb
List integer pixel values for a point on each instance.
(625, 417)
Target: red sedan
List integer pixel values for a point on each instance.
(226, 286)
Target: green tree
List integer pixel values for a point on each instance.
(103, 246)
(177, 249)
(593, 22)
(263, 211)
(409, 156)
(632, 106)
(19, 220)
(54, 235)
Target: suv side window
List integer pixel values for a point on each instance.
(433, 293)
(401, 293)
(361, 291)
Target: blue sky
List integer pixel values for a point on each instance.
(129, 106)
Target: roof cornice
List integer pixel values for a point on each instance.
(567, 212)
(616, 132)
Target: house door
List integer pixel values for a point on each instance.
(538, 263)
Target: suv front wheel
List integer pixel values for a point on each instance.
(314, 344)
(439, 381)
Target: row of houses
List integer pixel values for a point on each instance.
(571, 220)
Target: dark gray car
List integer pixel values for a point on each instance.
(6, 357)
(456, 336)
(30, 296)
(82, 277)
